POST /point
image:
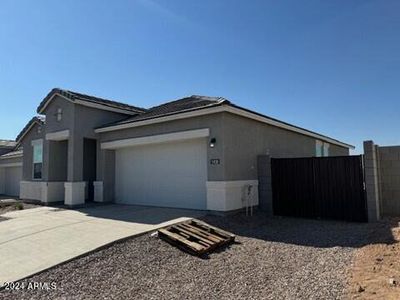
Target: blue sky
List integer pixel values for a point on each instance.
(329, 66)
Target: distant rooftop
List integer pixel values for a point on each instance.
(12, 154)
(7, 143)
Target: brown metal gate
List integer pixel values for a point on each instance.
(319, 187)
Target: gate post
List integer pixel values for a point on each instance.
(265, 183)
(371, 181)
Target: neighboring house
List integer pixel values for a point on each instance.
(10, 168)
(197, 152)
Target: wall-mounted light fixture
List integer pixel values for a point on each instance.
(213, 141)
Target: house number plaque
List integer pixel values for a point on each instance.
(215, 161)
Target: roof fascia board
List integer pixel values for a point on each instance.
(17, 164)
(224, 108)
(172, 117)
(26, 132)
(51, 99)
(5, 156)
(105, 107)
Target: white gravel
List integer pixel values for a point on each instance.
(274, 258)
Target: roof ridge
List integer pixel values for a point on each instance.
(110, 101)
(210, 98)
(72, 95)
(170, 108)
(199, 97)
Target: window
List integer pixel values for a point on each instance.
(318, 148)
(321, 149)
(37, 159)
(326, 149)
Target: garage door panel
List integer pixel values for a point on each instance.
(12, 178)
(168, 174)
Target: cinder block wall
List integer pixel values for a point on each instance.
(389, 179)
(382, 176)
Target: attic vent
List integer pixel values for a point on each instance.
(59, 114)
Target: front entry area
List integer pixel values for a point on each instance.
(169, 174)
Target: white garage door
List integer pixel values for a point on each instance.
(168, 174)
(13, 175)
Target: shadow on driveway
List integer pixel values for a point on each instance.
(135, 213)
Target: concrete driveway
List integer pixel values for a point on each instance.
(36, 239)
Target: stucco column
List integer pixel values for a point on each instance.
(46, 160)
(372, 180)
(104, 187)
(75, 159)
(265, 183)
(74, 193)
(75, 188)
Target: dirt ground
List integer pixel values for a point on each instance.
(376, 265)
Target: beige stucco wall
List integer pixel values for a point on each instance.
(245, 139)
(238, 143)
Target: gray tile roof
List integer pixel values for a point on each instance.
(12, 154)
(7, 144)
(194, 102)
(87, 98)
(38, 119)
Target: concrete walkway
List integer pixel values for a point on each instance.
(36, 239)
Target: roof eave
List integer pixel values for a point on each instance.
(224, 107)
(28, 128)
(98, 129)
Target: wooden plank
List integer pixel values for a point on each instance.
(195, 236)
(203, 233)
(217, 230)
(199, 235)
(179, 227)
(175, 237)
(204, 244)
(186, 236)
(209, 227)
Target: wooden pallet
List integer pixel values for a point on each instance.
(195, 236)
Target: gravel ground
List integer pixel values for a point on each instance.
(274, 258)
(12, 207)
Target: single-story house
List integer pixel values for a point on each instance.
(10, 168)
(196, 152)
